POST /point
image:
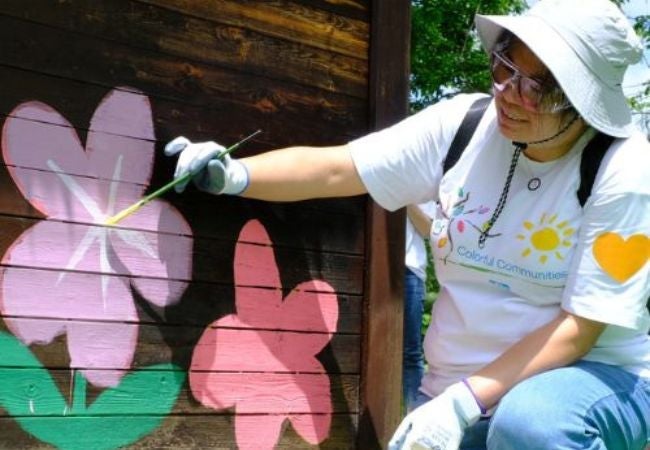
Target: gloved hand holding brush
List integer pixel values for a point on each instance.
(210, 172)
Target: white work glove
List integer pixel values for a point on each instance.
(210, 174)
(440, 423)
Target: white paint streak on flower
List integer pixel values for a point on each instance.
(112, 195)
(78, 192)
(104, 264)
(80, 251)
(133, 238)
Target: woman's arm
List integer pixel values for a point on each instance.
(560, 342)
(419, 219)
(299, 173)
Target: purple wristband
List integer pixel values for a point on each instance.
(480, 404)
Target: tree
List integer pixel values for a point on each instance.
(446, 56)
(640, 102)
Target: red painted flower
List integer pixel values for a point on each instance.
(71, 266)
(261, 361)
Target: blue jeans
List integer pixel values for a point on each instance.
(586, 405)
(413, 359)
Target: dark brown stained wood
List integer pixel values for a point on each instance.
(240, 49)
(343, 387)
(196, 433)
(348, 8)
(225, 119)
(382, 346)
(201, 302)
(217, 70)
(164, 343)
(231, 102)
(315, 225)
(285, 20)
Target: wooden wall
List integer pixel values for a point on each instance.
(201, 321)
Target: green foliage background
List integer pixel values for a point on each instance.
(446, 56)
(641, 102)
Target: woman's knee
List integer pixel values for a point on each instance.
(587, 405)
(531, 417)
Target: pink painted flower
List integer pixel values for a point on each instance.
(71, 266)
(261, 361)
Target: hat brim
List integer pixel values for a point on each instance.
(602, 107)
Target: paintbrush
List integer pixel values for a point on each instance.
(113, 220)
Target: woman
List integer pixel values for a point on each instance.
(539, 336)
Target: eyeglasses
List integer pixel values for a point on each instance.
(536, 95)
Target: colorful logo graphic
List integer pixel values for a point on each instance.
(463, 218)
(547, 238)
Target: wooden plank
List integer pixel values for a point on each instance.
(196, 39)
(163, 343)
(212, 260)
(191, 433)
(319, 225)
(287, 20)
(349, 8)
(200, 302)
(203, 104)
(223, 115)
(382, 347)
(133, 402)
(290, 225)
(76, 102)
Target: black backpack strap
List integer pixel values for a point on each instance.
(592, 156)
(465, 132)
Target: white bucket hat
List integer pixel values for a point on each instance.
(587, 45)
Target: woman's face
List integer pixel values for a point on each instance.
(517, 120)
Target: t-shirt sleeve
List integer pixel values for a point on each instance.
(402, 164)
(609, 278)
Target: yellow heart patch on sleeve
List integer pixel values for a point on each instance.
(620, 258)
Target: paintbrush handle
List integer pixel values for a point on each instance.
(160, 191)
(140, 203)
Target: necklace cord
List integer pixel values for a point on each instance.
(519, 147)
(562, 130)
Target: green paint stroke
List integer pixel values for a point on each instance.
(118, 417)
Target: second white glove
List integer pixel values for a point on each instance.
(440, 423)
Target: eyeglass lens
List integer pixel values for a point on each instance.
(505, 72)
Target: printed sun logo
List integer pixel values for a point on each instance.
(547, 238)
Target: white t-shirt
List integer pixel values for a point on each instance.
(415, 254)
(545, 251)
